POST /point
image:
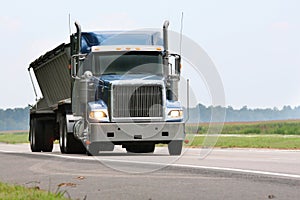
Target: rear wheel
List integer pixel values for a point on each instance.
(175, 147)
(41, 135)
(35, 135)
(48, 133)
(140, 148)
(61, 137)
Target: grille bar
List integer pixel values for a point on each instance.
(137, 101)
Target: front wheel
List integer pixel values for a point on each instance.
(175, 147)
(95, 148)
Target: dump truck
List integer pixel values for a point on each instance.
(107, 88)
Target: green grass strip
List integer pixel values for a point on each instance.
(285, 127)
(8, 192)
(14, 138)
(263, 141)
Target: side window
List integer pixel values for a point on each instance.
(84, 46)
(87, 64)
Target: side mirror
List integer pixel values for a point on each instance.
(176, 61)
(177, 64)
(75, 62)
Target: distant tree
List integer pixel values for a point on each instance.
(244, 114)
(14, 119)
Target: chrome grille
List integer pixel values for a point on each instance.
(137, 101)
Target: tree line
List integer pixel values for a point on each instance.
(202, 113)
(14, 119)
(18, 118)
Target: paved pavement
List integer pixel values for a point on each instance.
(222, 174)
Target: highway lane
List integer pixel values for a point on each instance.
(284, 162)
(223, 174)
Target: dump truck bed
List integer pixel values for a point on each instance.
(53, 75)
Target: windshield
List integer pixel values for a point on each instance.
(120, 63)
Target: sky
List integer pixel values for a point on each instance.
(254, 44)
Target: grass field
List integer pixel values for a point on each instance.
(253, 141)
(286, 127)
(8, 192)
(265, 134)
(14, 137)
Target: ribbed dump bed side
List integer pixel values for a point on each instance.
(53, 76)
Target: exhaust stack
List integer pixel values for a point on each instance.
(172, 73)
(78, 37)
(165, 35)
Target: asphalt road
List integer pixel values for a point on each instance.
(222, 174)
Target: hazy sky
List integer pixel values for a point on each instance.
(255, 44)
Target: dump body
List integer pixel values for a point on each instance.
(53, 76)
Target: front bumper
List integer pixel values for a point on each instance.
(158, 132)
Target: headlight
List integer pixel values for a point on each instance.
(175, 113)
(98, 115)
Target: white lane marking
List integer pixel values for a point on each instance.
(216, 149)
(241, 170)
(297, 176)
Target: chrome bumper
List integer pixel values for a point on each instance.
(131, 132)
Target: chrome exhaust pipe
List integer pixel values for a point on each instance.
(78, 35)
(165, 35)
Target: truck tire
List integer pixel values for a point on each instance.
(41, 135)
(107, 146)
(175, 147)
(61, 137)
(95, 148)
(35, 135)
(69, 143)
(140, 148)
(48, 135)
